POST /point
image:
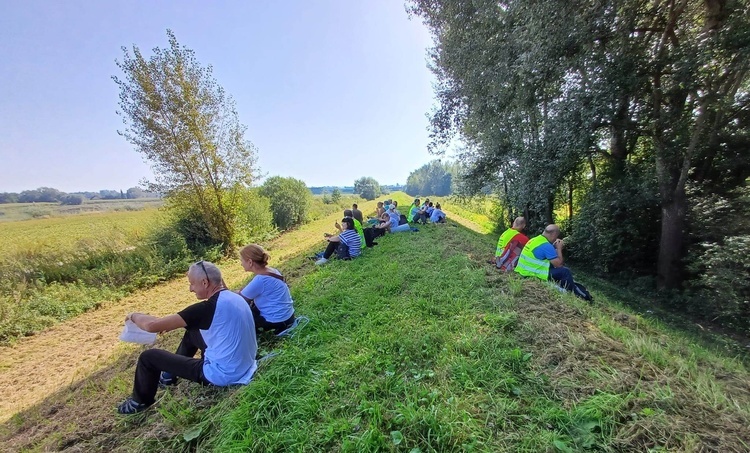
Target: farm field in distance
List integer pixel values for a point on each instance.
(65, 228)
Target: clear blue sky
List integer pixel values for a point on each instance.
(331, 90)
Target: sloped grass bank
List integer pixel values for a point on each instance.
(420, 346)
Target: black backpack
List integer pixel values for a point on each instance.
(581, 292)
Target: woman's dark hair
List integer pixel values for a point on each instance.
(349, 223)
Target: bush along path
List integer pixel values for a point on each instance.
(419, 346)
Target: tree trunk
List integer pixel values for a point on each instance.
(669, 275)
(570, 199)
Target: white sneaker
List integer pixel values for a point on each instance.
(321, 261)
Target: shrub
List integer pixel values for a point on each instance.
(71, 199)
(255, 221)
(722, 289)
(617, 226)
(290, 200)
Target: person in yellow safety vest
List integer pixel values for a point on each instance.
(505, 255)
(357, 225)
(542, 258)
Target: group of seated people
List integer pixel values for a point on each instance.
(347, 244)
(539, 257)
(225, 324)
(425, 212)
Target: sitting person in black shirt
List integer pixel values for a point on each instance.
(221, 326)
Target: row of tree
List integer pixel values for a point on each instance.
(434, 178)
(50, 195)
(623, 114)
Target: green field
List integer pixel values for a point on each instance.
(420, 346)
(69, 233)
(11, 212)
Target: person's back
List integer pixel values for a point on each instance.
(358, 229)
(535, 258)
(271, 296)
(357, 214)
(229, 335)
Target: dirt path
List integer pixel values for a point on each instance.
(38, 366)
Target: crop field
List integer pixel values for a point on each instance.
(11, 212)
(68, 233)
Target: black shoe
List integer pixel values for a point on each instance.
(374, 243)
(131, 406)
(167, 380)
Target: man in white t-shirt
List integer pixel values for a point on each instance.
(221, 327)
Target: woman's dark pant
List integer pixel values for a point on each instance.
(341, 249)
(153, 361)
(562, 276)
(261, 323)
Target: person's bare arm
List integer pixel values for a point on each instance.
(334, 239)
(558, 262)
(153, 324)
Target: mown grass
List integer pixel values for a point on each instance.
(418, 346)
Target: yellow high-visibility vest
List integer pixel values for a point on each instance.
(528, 265)
(504, 239)
(358, 229)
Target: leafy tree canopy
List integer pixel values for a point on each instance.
(367, 187)
(185, 125)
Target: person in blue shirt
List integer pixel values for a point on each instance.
(542, 257)
(437, 216)
(267, 293)
(220, 326)
(429, 210)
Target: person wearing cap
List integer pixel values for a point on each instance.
(346, 244)
(542, 258)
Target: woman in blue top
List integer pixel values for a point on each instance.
(267, 293)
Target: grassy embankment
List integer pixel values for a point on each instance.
(419, 346)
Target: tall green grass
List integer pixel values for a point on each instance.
(408, 349)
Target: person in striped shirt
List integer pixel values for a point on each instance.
(346, 244)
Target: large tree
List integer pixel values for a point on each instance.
(367, 187)
(545, 91)
(185, 125)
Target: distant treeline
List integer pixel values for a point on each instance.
(350, 189)
(50, 195)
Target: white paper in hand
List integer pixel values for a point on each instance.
(134, 334)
